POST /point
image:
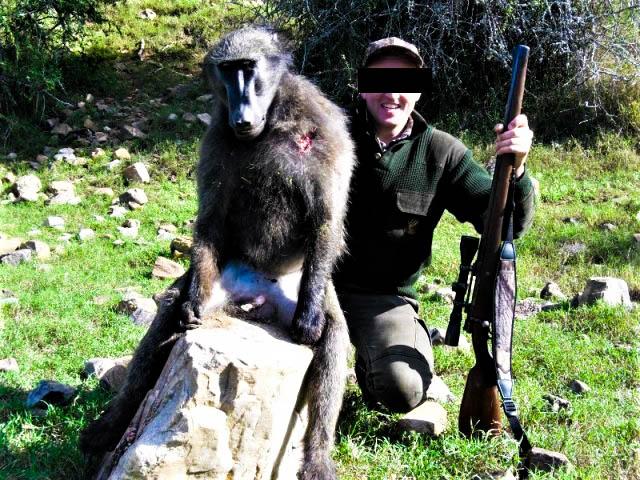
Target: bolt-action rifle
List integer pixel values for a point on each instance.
(490, 314)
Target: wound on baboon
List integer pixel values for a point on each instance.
(273, 179)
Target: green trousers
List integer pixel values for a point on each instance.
(394, 363)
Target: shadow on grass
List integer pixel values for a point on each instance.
(44, 444)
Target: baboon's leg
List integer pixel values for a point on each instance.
(325, 388)
(143, 371)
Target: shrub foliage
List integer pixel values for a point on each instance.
(35, 38)
(583, 64)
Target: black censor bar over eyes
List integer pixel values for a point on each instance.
(393, 80)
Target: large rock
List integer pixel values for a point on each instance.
(223, 407)
(612, 291)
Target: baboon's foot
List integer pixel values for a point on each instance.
(189, 316)
(319, 469)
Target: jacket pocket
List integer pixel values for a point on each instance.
(415, 203)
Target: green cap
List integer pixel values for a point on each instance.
(391, 46)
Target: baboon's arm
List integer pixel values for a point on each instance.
(324, 244)
(207, 249)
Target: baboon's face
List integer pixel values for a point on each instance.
(249, 88)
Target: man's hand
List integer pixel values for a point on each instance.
(517, 140)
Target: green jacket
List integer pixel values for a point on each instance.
(398, 197)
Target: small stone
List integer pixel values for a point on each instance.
(136, 195)
(142, 317)
(168, 228)
(66, 198)
(439, 391)
(204, 118)
(62, 129)
(609, 227)
(40, 248)
(27, 188)
(437, 335)
(527, 307)
(122, 154)
(573, 248)
(98, 152)
(66, 238)
(130, 228)
(42, 159)
(118, 243)
(612, 291)
(88, 123)
(205, 98)
(49, 392)
(552, 290)
(132, 132)
(112, 165)
(579, 387)
(164, 235)
(147, 14)
(9, 365)
(12, 156)
(636, 239)
(86, 234)
(181, 246)
(117, 211)
(137, 173)
(52, 122)
(132, 301)
(571, 220)
(103, 191)
(112, 372)
(101, 137)
(189, 117)
(165, 268)
(89, 98)
(557, 403)
(61, 186)
(8, 177)
(172, 117)
(54, 222)
(16, 258)
(9, 245)
(7, 297)
(430, 418)
(546, 460)
(82, 105)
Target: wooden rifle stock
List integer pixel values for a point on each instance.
(480, 406)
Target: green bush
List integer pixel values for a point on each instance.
(36, 36)
(576, 47)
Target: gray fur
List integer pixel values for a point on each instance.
(273, 178)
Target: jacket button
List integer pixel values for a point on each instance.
(378, 156)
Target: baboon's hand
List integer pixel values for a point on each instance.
(190, 317)
(308, 325)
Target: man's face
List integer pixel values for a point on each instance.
(390, 110)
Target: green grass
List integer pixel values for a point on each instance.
(67, 314)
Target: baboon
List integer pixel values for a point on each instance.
(273, 180)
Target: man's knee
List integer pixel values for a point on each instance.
(400, 383)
